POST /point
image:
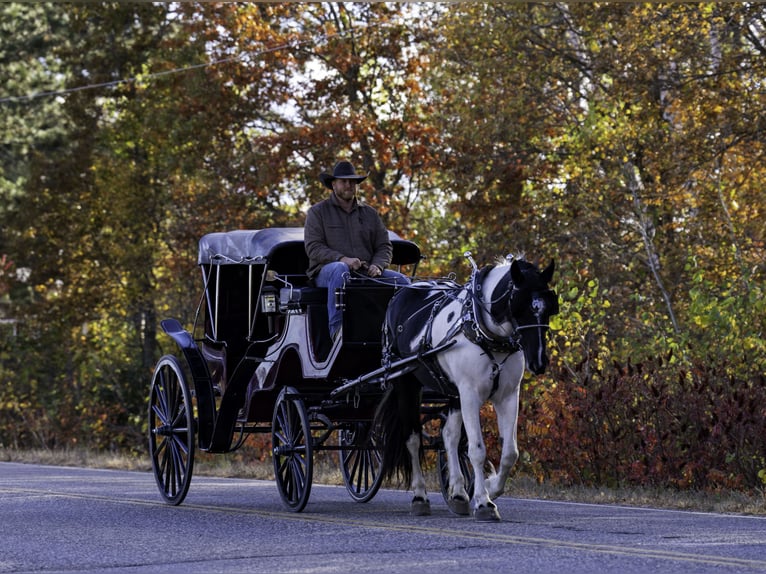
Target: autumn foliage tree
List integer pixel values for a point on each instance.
(624, 140)
(620, 123)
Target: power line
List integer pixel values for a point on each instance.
(113, 83)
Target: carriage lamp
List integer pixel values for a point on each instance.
(269, 302)
(289, 298)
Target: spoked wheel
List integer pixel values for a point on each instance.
(361, 460)
(292, 449)
(171, 430)
(466, 469)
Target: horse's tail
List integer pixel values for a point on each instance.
(397, 417)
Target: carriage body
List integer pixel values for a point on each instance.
(265, 323)
(263, 345)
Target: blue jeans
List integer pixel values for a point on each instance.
(331, 276)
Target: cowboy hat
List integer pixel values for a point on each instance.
(342, 170)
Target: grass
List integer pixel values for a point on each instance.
(326, 472)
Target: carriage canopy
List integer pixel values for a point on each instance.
(243, 271)
(279, 246)
(245, 246)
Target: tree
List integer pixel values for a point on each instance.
(635, 135)
(26, 69)
(625, 140)
(60, 228)
(322, 81)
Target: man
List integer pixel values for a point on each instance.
(342, 235)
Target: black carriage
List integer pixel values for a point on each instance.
(262, 361)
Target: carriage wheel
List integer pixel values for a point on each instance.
(171, 430)
(292, 450)
(466, 469)
(361, 461)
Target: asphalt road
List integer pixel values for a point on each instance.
(55, 519)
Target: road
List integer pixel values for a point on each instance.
(56, 519)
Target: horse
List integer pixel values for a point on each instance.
(490, 330)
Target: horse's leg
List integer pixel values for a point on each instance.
(398, 417)
(457, 497)
(420, 504)
(484, 510)
(507, 411)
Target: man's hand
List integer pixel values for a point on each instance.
(358, 265)
(353, 263)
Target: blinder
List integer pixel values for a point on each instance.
(550, 301)
(541, 302)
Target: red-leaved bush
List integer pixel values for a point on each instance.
(647, 424)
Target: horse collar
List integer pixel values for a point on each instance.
(473, 326)
(474, 333)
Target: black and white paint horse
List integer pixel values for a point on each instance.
(496, 324)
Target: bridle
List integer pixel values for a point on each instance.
(474, 304)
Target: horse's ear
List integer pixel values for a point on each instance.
(547, 273)
(516, 275)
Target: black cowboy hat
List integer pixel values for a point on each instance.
(342, 170)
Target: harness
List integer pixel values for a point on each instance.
(475, 331)
(471, 325)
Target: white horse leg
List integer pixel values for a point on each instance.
(457, 497)
(484, 510)
(507, 412)
(420, 504)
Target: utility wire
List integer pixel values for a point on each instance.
(113, 83)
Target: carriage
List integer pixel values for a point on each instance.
(263, 361)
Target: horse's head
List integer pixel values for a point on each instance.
(529, 305)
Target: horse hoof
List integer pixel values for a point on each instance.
(486, 514)
(420, 507)
(459, 506)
